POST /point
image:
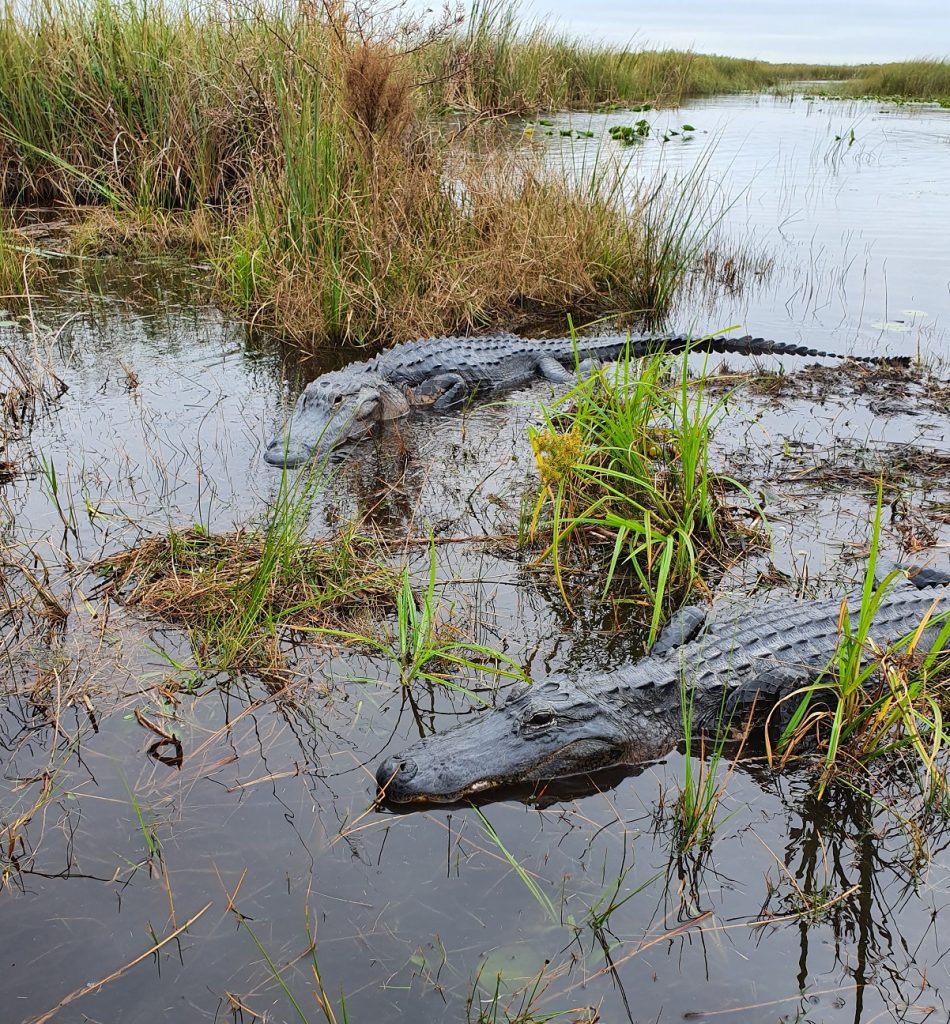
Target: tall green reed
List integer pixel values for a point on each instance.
(875, 699)
(624, 467)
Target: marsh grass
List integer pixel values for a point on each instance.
(499, 61)
(927, 79)
(501, 1006)
(538, 894)
(29, 387)
(624, 470)
(302, 151)
(877, 700)
(21, 265)
(238, 592)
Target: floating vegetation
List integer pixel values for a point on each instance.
(630, 134)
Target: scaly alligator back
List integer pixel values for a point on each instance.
(492, 360)
(564, 726)
(442, 373)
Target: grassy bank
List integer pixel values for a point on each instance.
(306, 152)
(911, 80)
(309, 157)
(502, 62)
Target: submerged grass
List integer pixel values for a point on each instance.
(426, 646)
(624, 473)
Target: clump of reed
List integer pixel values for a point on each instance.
(625, 479)
(238, 591)
(240, 594)
(926, 79)
(703, 787)
(366, 223)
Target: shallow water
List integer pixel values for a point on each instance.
(800, 910)
(855, 232)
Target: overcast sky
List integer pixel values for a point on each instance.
(825, 31)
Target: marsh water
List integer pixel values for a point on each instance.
(265, 839)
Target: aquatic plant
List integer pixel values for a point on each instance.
(630, 134)
(702, 789)
(624, 470)
(426, 646)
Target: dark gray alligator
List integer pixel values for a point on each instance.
(729, 664)
(441, 373)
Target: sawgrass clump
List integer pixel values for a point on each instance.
(626, 482)
(242, 593)
(304, 150)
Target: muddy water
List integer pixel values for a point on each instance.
(265, 835)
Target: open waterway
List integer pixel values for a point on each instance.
(264, 840)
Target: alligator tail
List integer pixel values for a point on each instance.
(749, 346)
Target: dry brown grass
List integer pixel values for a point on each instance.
(302, 150)
(193, 577)
(101, 231)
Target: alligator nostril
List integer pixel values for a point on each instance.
(395, 770)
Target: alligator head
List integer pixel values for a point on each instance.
(333, 409)
(541, 732)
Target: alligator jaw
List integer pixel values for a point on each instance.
(544, 732)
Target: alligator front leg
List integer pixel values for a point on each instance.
(550, 369)
(442, 392)
(683, 625)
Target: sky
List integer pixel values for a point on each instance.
(819, 31)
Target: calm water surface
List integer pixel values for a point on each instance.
(265, 838)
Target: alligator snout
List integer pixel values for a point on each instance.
(393, 773)
(289, 455)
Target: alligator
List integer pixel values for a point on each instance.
(730, 664)
(442, 373)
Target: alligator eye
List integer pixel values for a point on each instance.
(540, 718)
(338, 400)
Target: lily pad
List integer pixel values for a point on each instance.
(895, 326)
(914, 312)
(512, 965)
